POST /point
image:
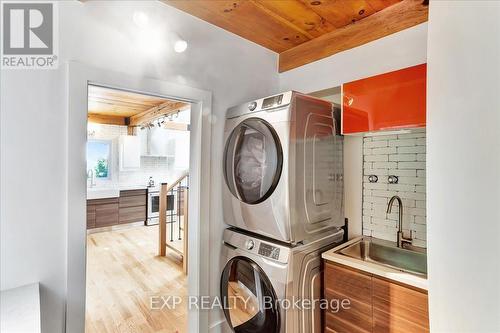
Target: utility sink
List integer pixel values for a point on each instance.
(387, 254)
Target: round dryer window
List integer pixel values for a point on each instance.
(249, 298)
(253, 161)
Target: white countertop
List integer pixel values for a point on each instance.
(375, 269)
(111, 192)
(20, 309)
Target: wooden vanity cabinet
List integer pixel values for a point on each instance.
(377, 305)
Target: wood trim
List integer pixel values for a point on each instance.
(156, 112)
(108, 120)
(162, 228)
(400, 16)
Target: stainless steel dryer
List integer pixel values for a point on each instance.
(283, 167)
(262, 278)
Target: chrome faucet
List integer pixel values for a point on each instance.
(90, 175)
(401, 238)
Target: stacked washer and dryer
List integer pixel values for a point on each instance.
(283, 198)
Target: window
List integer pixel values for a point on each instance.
(98, 158)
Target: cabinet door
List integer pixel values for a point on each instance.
(130, 152)
(90, 216)
(158, 143)
(399, 309)
(343, 283)
(106, 215)
(392, 100)
(132, 214)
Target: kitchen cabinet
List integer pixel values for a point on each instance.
(129, 207)
(103, 212)
(376, 305)
(130, 152)
(90, 216)
(133, 206)
(389, 101)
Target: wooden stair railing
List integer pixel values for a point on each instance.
(162, 229)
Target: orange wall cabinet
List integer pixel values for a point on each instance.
(388, 101)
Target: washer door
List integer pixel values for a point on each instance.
(253, 161)
(249, 298)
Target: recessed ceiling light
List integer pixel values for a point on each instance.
(141, 19)
(180, 46)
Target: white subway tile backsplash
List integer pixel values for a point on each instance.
(411, 165)
(384, 165)
(402, 155)
(376, 158)
(421, 142)
(420, 204)
(403, 173)
(375, 144)
(412, 149)
(386, 150)
(402, 143)
(412, 180)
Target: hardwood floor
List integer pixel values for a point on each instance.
(123, 273)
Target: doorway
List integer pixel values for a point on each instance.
(79, 77)
(137, 145)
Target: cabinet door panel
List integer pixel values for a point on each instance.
(343, 283)
(358, 313)
(339, 325)
(132, 214)
(90, 216)
(132, 201)
(399, 308)
(391, 100)
(352, 284)
(106, 215)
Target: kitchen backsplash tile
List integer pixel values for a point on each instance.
(402, 155)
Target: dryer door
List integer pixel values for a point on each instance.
(249, 298)
(253, 160)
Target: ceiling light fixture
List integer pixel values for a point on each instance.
(141, 19)
(180, 45)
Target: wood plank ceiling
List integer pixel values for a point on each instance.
(303, 31)
(119, 107)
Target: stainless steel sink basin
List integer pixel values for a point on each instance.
(387, 254)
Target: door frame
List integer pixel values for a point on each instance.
(78, 78)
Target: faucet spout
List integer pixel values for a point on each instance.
(400, 237)
(91, 176)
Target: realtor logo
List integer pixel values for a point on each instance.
(29, 35)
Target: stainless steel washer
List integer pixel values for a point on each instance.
(283, 167)
(261, 274)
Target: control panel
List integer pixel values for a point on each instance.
(268, 104)
(272, 101)
(269, 251)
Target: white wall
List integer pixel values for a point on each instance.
(34, 126)
(403, 49)
(463, 164)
